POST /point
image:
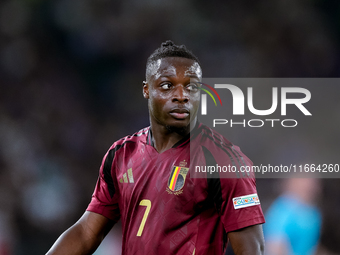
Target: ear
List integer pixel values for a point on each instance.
(145, 90)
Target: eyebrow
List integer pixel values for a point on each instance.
(192, 76)
(173, 75)
(167, 75)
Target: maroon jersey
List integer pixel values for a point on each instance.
(163, 208)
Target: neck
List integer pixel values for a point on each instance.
(165, 137)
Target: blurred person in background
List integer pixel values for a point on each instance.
(293, 221)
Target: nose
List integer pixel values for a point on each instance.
(180, 94)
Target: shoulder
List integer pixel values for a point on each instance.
(219, 146)
(139, 136)
(210, 137)
(126, 144)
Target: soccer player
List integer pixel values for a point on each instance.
(146, 179)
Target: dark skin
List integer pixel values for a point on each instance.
(83, 237)
(173, 102)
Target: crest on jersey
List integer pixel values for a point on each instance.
(177, 179)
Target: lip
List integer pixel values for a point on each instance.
(179, 113)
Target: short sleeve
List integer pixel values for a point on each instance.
(234, 195)
(106, 195)
(235, 192)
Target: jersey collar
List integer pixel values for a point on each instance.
(196, 130)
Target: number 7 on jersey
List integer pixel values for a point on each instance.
(147, 203)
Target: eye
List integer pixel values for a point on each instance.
(166, 85)
(192, 87)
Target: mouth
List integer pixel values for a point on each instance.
(179, 113)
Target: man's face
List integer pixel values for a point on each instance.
(172, 92)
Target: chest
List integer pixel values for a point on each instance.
(163, 179)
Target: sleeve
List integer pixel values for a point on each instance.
(240, 206)
(106, 195)
(234, 194)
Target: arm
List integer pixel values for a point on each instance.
(83, 237)
(277, 248)
(247, 241)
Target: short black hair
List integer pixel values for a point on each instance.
(169, 49)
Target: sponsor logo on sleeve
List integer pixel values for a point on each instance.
(246, 201)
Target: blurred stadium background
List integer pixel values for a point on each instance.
(71, 77)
